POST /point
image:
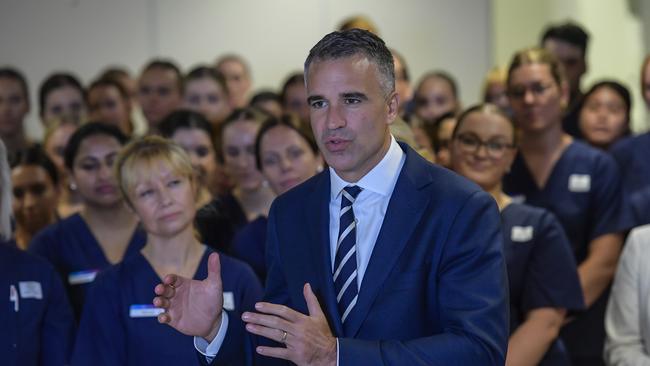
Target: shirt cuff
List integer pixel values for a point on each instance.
(210, 350)
(337, 352)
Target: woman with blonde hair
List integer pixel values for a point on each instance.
(119, 324)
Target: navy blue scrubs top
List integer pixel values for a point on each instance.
(119, 324)
(633, 156)
(541, 269)
(584, 192)
(76, 254)
(249, 245)
(36, 321)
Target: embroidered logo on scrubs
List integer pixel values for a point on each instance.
(521, 234)
(579, 182)
(81, 277)
(144, 311)
(228, 301)
(518, 198)
(30, 290)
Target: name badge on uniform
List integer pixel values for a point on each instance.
(518, 198)
(579, 182)
(521, 234)
(228, 301)
(144, 311)
(81, 277)
(30, 290)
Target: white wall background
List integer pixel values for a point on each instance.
(84, 36)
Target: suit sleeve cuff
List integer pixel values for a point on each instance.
(210, 350)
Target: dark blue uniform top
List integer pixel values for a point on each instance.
(249, 245)
(36, 321)
(76, 255)
(541, 269)
(119, 324)
(584, 192)
(633, 156)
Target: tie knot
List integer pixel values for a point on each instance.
(351, 192)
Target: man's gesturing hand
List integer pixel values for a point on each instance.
(308, 338)
(192, 307)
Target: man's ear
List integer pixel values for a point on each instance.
(393, 107)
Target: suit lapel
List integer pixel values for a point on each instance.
(317, 213)
(404, 211)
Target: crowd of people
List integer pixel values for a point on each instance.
(140, 177)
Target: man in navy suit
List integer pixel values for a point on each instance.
(382, 259)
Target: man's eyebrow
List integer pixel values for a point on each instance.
(356, 95)
(313, 98)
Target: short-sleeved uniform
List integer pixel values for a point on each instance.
(36, 321)
(584, 192)
(541, 269)
(633, 156)
(119, 324)
(76, 254)
(249, 245)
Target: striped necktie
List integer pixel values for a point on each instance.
(345, 261)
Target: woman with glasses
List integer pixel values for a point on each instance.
(542, 274)
(578, 183)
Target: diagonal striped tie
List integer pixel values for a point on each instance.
(345, 262)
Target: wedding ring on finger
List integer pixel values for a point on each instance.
(284, 336)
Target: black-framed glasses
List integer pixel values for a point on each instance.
(494, 149)
(519, 91)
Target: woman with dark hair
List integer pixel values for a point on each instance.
(294, 96)
(14, 106)
(109, 102)
(435, 95)
(542, 275)
(267, 101)
(35, 193)
(605, 114)
(287, 155)
(61, 95)
(205, 91)
(37, 322)
(194, 133)
(251, 196)
(119, 326)
(105, 231)
(579, 184)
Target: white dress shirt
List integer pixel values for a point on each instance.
(369, 207)
(369, 210)
(627, 320)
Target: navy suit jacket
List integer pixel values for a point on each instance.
(435, 291)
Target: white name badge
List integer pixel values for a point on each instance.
(228, 301)
(518, 198)
(579, 183)
(521, 234)
(144, 311)
(30, 290)
(81, 277)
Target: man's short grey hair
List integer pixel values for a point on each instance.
(356, 42)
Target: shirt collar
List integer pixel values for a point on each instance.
(380, 179)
